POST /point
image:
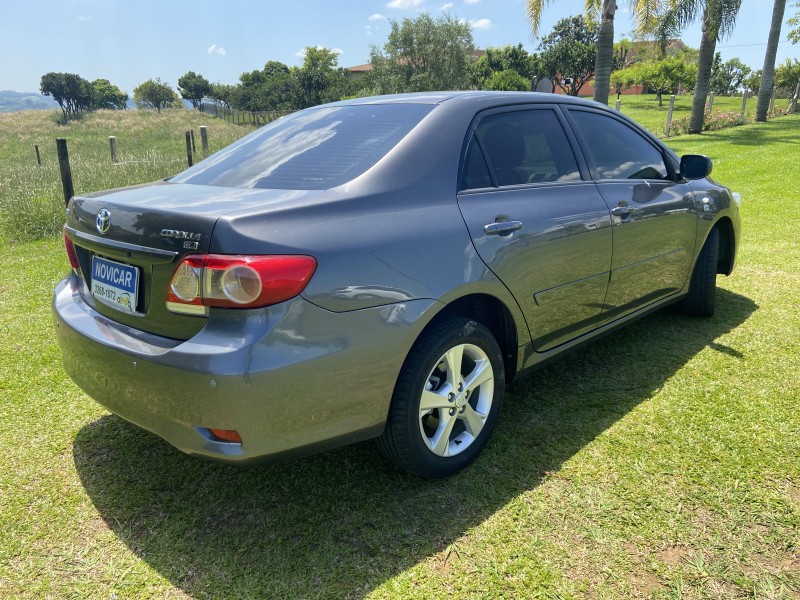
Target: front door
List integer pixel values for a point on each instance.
(543, 230)
(653, 213)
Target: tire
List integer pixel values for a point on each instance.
(699, 302)
(440, 420)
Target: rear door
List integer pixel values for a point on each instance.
(652, 209)
(536, 220)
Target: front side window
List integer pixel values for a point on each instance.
(309, 150)
(526, 147)
(618, 151)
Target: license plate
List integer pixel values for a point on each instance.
(115, 284)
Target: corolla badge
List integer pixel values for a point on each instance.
(192, 239)
(103, 220)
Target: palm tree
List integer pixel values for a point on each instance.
(768, 72)
(718, 20)
(644, 11)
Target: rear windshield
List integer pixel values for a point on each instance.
(310, 150)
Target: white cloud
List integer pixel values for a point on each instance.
(404, 4)
(446, 6)
(377, 17)
(481, 23)
(84, 18)
(214, 49)
(471, 1)
(337, 51)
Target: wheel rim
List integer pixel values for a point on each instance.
(456, 400)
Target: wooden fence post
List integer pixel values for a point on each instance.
(194, 148)
(744, 103)
(38, 156)
(112, 142)
(66, 172)
(710, 103)
(189, 149)
(669, 114)
(204, 137)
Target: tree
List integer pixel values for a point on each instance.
(602, 13)
(222, 93)
(752, 82)
(568, 54)
(788, 76)
(794, 34)
(516, 61)
(53, 84)
(154, 93)
(728, 78)
(658, 76)
(507, 81)
(319, 80)
(423, 54)
(718, 18)
(193, 87)
(768, 70)
(106, 95)
(72, 92)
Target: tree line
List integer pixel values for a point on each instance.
(74, 94)
(424, 54)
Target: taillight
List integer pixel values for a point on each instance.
(203, 280)
(73, 256)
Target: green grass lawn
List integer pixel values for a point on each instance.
(645, 109)
(150, 146)
(660, 461)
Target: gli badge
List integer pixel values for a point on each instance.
(103, 220)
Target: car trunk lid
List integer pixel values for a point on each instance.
(129, 242)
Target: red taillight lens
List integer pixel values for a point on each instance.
(73, 256)
(203, 280)
(226, 435)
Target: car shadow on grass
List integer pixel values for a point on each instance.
(340, 523)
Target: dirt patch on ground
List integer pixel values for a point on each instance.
(673, 555)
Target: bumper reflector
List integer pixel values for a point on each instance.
(226, 435)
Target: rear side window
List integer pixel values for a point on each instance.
(309, 150)
(618, 151)
(524, 147)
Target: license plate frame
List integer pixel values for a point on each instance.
(115, 284)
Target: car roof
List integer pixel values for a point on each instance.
(473, 98)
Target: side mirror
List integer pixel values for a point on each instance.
(695, 166)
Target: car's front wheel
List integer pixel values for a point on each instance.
(446, 399)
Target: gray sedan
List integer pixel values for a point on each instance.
(381, 268)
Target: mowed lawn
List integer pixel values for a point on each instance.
(660, 461)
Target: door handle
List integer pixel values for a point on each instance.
(502, 228)
(623, 211)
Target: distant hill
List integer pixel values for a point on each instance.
(11, 101)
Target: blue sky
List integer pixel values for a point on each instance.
(129, 42)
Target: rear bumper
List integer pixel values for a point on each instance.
(291, 378)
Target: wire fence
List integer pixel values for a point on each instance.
(242, 117)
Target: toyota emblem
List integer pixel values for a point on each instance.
(103, 220)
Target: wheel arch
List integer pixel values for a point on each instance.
(495, 316)
(727, 246)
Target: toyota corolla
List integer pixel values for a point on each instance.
(381, 268)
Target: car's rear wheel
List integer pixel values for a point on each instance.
(446, 399)
(699, 302)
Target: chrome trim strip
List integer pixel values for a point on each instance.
(120, 245)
